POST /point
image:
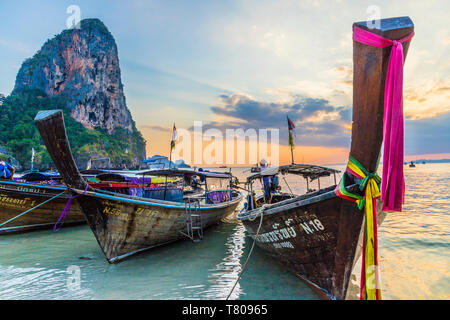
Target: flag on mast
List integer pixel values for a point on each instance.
(89, 164)
(32, 159)
(174, 138)
(291, 127)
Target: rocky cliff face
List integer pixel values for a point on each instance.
(82, 65)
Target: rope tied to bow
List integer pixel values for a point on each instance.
(31, 209)
(66, 209)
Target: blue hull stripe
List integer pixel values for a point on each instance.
(148, 203)
(31, 185)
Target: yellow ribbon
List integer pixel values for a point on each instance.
(370, 183)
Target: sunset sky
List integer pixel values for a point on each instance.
(247, 64)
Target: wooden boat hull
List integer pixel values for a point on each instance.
(316, 235)
(126, 226)
(313, 236)
(16, 198)
(123, 225)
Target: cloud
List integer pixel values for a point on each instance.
(430, 99)
(318, 123)
(156, 127)
(429, 135)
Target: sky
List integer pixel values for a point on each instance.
(248, 64)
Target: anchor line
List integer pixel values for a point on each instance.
(248, 257)
(31, 209)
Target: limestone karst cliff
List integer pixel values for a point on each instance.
(83, 66)
(77, 71)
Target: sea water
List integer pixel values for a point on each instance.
(68, 264)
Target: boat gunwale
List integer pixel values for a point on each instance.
(114, 196)
(33, 185)
(280, 207)
(152, 202)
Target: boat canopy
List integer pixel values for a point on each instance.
(188, 173)
(41, 176)
(109, 176)
(121, 172)
(154, 159)
(306, 170)
(93, 171)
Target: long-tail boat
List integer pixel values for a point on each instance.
(37, 190)
(319, 235)
(47, 193)
(125, 225)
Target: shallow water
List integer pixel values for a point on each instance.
(413, 249)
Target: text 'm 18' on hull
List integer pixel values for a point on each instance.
(125, 225)
(314, 236)
(18, 197)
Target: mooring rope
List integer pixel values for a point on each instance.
(29, 210)
(248, 257)
(287, 184)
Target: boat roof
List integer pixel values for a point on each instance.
(40, 176)
(121, 172)
(188, 173)
(306, 170)
(94, 171)
(154, 159)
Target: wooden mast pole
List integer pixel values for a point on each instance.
(170, 162)
(292, 154)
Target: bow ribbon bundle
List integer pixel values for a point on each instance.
(393, 184)
(370, 185)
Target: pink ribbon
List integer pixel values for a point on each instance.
(393, 183)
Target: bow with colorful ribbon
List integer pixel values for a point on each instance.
(393, 186)
(370, 185)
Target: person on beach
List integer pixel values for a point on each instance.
(266, 181)
(6, 170)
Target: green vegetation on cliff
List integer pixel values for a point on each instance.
(18, 133)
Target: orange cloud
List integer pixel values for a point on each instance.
(427, 100)
(158, 142)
